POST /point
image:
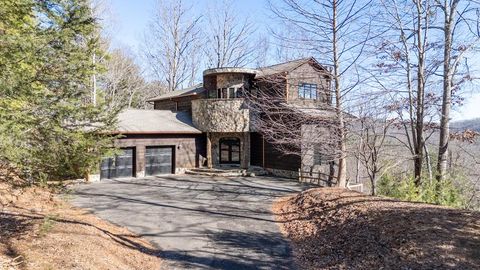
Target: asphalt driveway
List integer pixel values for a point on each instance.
(198, 222)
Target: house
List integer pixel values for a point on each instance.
(209, 124)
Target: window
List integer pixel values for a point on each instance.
(321, 155)
(307, 91)
(239, 92)
(231, 92)
(222, 93)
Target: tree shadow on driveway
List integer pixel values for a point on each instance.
(204, 224)
(236, 250)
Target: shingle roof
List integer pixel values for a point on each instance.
(134, 121)
(260, 72)
(285, 67)
(194, 90)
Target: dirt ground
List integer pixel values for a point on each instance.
(40, 231)
(332, 228)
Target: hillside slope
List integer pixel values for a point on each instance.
(332, 228)
(473, 124)
(40, 231)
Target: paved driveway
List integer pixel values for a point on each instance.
(198, 222)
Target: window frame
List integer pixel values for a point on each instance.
(308, 88)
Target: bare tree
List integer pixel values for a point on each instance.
(409, 57)
(229, 37)
(461, 33)
(334, 31)
(172, 44)
(372, 134)
(403, 55)
(123, 83)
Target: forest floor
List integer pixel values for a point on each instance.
(38, 230)
(333, 228)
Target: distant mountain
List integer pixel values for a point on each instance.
(473, 124)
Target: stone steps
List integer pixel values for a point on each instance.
(217, 172)
(227, 172)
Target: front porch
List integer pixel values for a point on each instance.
(228, 150)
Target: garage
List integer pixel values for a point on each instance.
(122, 165)
(159, 160)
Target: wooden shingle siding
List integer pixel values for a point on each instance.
(177, 104)
(275, 159)
(264, 152)
(165, 105)
(306, 73)
(256, 147)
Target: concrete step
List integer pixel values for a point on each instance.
(217, 172)
(224, 174)
(228, 171)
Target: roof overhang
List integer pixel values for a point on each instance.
(154, 132)
(214, 71)
(171, 98)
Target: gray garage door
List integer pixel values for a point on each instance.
(159, 160)
(122, 165)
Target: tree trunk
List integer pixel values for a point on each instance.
(447, 98)
(342, 165)
(373, 181)
(428, 163)
(418, 160)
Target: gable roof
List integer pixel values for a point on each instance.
(190, 91)
(287, 66)
(260, 72)
(133, 121)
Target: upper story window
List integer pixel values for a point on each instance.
(307, 91)
(232, 92)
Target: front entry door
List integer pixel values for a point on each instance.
(230, 151)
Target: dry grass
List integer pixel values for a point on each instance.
(40, 231)
(333, 228)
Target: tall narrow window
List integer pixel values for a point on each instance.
(231, 92)
(222, 93)
(239, 92)
(307, 91)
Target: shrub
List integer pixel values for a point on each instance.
(444, 192)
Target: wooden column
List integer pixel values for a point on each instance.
(209, 151)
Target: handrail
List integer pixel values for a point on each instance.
(318, 177)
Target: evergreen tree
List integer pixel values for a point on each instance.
(49, 128)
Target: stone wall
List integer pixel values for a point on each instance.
(221, 115)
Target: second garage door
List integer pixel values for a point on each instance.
(159, 160)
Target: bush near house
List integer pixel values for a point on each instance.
(446, 192)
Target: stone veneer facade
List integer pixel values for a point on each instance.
(221, 115)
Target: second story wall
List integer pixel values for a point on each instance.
(308, 84)
(176, 104)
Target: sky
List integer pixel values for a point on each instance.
(131, 17)
(127, 20)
